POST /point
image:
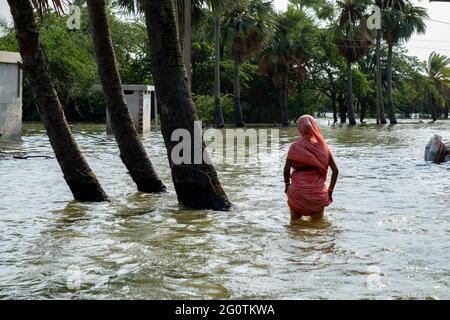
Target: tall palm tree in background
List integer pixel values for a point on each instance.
(217, 8)
(132, 150)
(401, 20)
(381, 116)
(353, 41)
(438, 68)
(289, 49)
(196, 182)
(246, 27)
(77, 173)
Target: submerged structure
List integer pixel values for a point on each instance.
(142, 103)
(11, 78)
(437, 150)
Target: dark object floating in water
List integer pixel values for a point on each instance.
(437, 150)
(28, 157)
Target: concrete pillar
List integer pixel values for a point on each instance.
(138, 98)
(11, 78)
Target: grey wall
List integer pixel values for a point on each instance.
(10, 101)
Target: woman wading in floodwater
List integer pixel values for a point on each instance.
(305, 172)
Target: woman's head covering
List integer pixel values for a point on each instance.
(311, 149)
(309, 130)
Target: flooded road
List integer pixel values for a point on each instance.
(385, 236)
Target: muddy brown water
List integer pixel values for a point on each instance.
(385, 236)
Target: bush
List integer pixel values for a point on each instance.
(205, 109)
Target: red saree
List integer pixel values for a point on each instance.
(308, 193)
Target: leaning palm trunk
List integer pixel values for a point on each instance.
(381, 118)
(197, 185)
(217, 103)
(351, 111)
(77, 173)
(390, 101)
(237, 94)
(132, 151)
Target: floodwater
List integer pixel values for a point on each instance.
(386, 236)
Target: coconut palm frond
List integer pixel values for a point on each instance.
(46, 5)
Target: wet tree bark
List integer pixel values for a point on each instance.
(237, 94)
(77, 173)
(132, 150)
(390, 100)
(197, 185)
(217, 94)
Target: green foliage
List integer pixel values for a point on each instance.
(71, 61)
(205, 108)
(310, 43)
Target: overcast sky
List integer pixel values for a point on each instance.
(437, 37)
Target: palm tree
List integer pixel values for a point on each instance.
(217, 8)
(438, 68)
(289, 50)
(196, 181)
(77, 173)
(184, 17)
(247, 25)
(400, 21)
(381, 117)
(352, 40)
(132, 150)
(184, 20)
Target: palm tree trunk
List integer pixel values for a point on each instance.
(132, 150)
(237, 94)
(363, 102)
(381, 117)
(390, 100)
(283, 96)
(446, 112)
(77, 173)
(342, 111)
(351, 111)
(187, 38)
(197, 185)
(218, 107)
(434, 108)
(334, 105)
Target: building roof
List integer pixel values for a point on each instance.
(10, 57)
